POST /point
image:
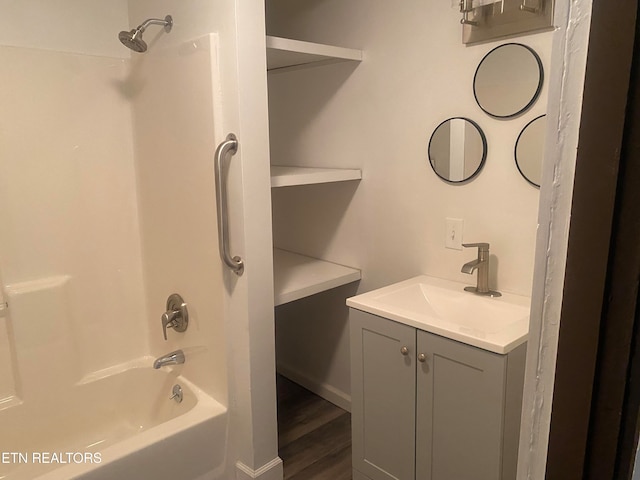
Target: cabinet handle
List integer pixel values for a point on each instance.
(422, 358)
(404, 350)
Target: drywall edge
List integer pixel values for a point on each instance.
(572, 19)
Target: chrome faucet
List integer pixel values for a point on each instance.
(173, 358)
(481, 264)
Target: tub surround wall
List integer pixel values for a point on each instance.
(72, 26)
(378, 116)
(47, 352)
(70, 192)
(68, 200)
(171, 91)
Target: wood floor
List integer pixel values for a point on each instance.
(314, 436)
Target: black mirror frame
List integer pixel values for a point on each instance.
(482, 161)
(515, 150)
(535, 95)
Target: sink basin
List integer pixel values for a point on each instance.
(496, 324)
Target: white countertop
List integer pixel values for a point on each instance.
(496, 324)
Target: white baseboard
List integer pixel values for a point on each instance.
(270, 471)
(324, 390)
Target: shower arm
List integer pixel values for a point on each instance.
(167, 23)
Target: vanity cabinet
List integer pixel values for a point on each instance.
(429, 408)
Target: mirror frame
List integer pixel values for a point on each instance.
(515, 150)
(482, 160)
(535, 95)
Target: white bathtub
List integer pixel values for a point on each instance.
(121, 425)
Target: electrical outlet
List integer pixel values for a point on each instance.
(453, 235)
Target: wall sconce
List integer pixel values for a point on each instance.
(528, 8)
(466, 7)
(484, 20)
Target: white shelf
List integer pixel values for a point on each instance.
(286, 53)
(297, 276)
(289, 176)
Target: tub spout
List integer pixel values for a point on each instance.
(173, 358)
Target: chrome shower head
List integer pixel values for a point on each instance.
(133, 39)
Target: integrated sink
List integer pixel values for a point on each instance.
(496, 324)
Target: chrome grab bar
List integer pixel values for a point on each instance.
(230, 145)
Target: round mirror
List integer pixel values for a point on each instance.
(457, 150)
(508, 80)
(530, 150)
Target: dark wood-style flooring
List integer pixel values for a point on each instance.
(314, 436)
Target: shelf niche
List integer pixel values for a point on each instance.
(298, 276)
(285, 54)
(282, 176)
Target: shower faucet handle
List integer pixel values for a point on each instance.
(169, 321)
(176, 316)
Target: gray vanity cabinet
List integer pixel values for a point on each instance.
(451, 413)
(383, 397)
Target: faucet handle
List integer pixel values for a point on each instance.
(169, 321)
(176, 316)
(482, 246)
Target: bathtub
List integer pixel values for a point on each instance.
(119, 424)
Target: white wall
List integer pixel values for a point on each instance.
(251, 296)
(67, 188)
(379, 116)
(75, 26)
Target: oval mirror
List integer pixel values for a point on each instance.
(529, 150)
(508, 80)
(457, 150)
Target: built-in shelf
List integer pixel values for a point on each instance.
(298, 276)
(286, 53)
(289, 176)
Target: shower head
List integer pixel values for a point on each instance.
(133, 39)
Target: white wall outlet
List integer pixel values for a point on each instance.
(453, 236)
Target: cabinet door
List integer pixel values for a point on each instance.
(459, 411)
(382, 397)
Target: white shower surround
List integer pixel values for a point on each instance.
(246, 373)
